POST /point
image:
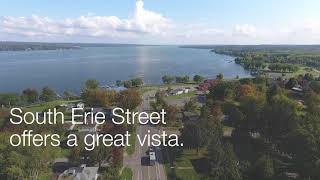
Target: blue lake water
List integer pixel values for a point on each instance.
(69, 69)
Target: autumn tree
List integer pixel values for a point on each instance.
(129, 99)
(99, 98)
(91, 84)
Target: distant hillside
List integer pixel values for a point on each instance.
(30, 46)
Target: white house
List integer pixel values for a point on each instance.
(80, 173)
(80, 105)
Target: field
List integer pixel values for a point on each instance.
(126, 174)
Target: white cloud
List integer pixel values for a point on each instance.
(143, 22)
(146, 26)
(245, 30)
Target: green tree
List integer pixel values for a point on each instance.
(223, 90)
(48, 94)
(264, 168)
(91, 84)
(119, 83)
(182, 79)
(224, 163)
(291, 83)
(30, 95)
(220, 76)
(9, 99)
(127, 84)
(67, 94)
(190, 106)
(167, 79)
(198, 78)
(137, 82)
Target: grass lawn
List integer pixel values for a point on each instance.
(46, 105)
(302, 70)
(126, 174)
(132, 142)
(189, 165)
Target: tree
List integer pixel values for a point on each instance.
(223, 90)
(220, 76)
(137, 82)
(48, 94)
(91, 84)
(280, 116)
(309, 77)
(193, 137)
(167, 79)
(171, 115)
(247, 90)
(291, 83)
(99, 98)
(119, 83)
(100, 154)
(67, 94)
(190, 106)
(264, 168)
(182, 79)
(315, 86)
(9, 99)
(30, 95)
(127, 84)
(129, 99)
(312, 101)
(198, 78)
(224, 163)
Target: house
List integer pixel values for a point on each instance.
(207, 84)
(176, 92)
(80, 105)
(114, 88)
(297, 89)
(80, 173)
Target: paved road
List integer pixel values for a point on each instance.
(138, 162)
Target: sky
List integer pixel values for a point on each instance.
(162, 21)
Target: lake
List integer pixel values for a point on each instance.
(69, 69)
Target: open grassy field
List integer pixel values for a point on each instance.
(189, 165)
(132, 142)
(126, 174)
(39, 107)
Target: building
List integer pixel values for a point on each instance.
(176, 92)
(80, 105)
(207, 84)
(80, 173)
(114, 88)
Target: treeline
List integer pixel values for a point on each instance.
(136, 82)
(168, 79)
(29, 96)
(274, 136)
(257, 64)
(301, 55)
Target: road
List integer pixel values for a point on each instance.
(138, 162)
